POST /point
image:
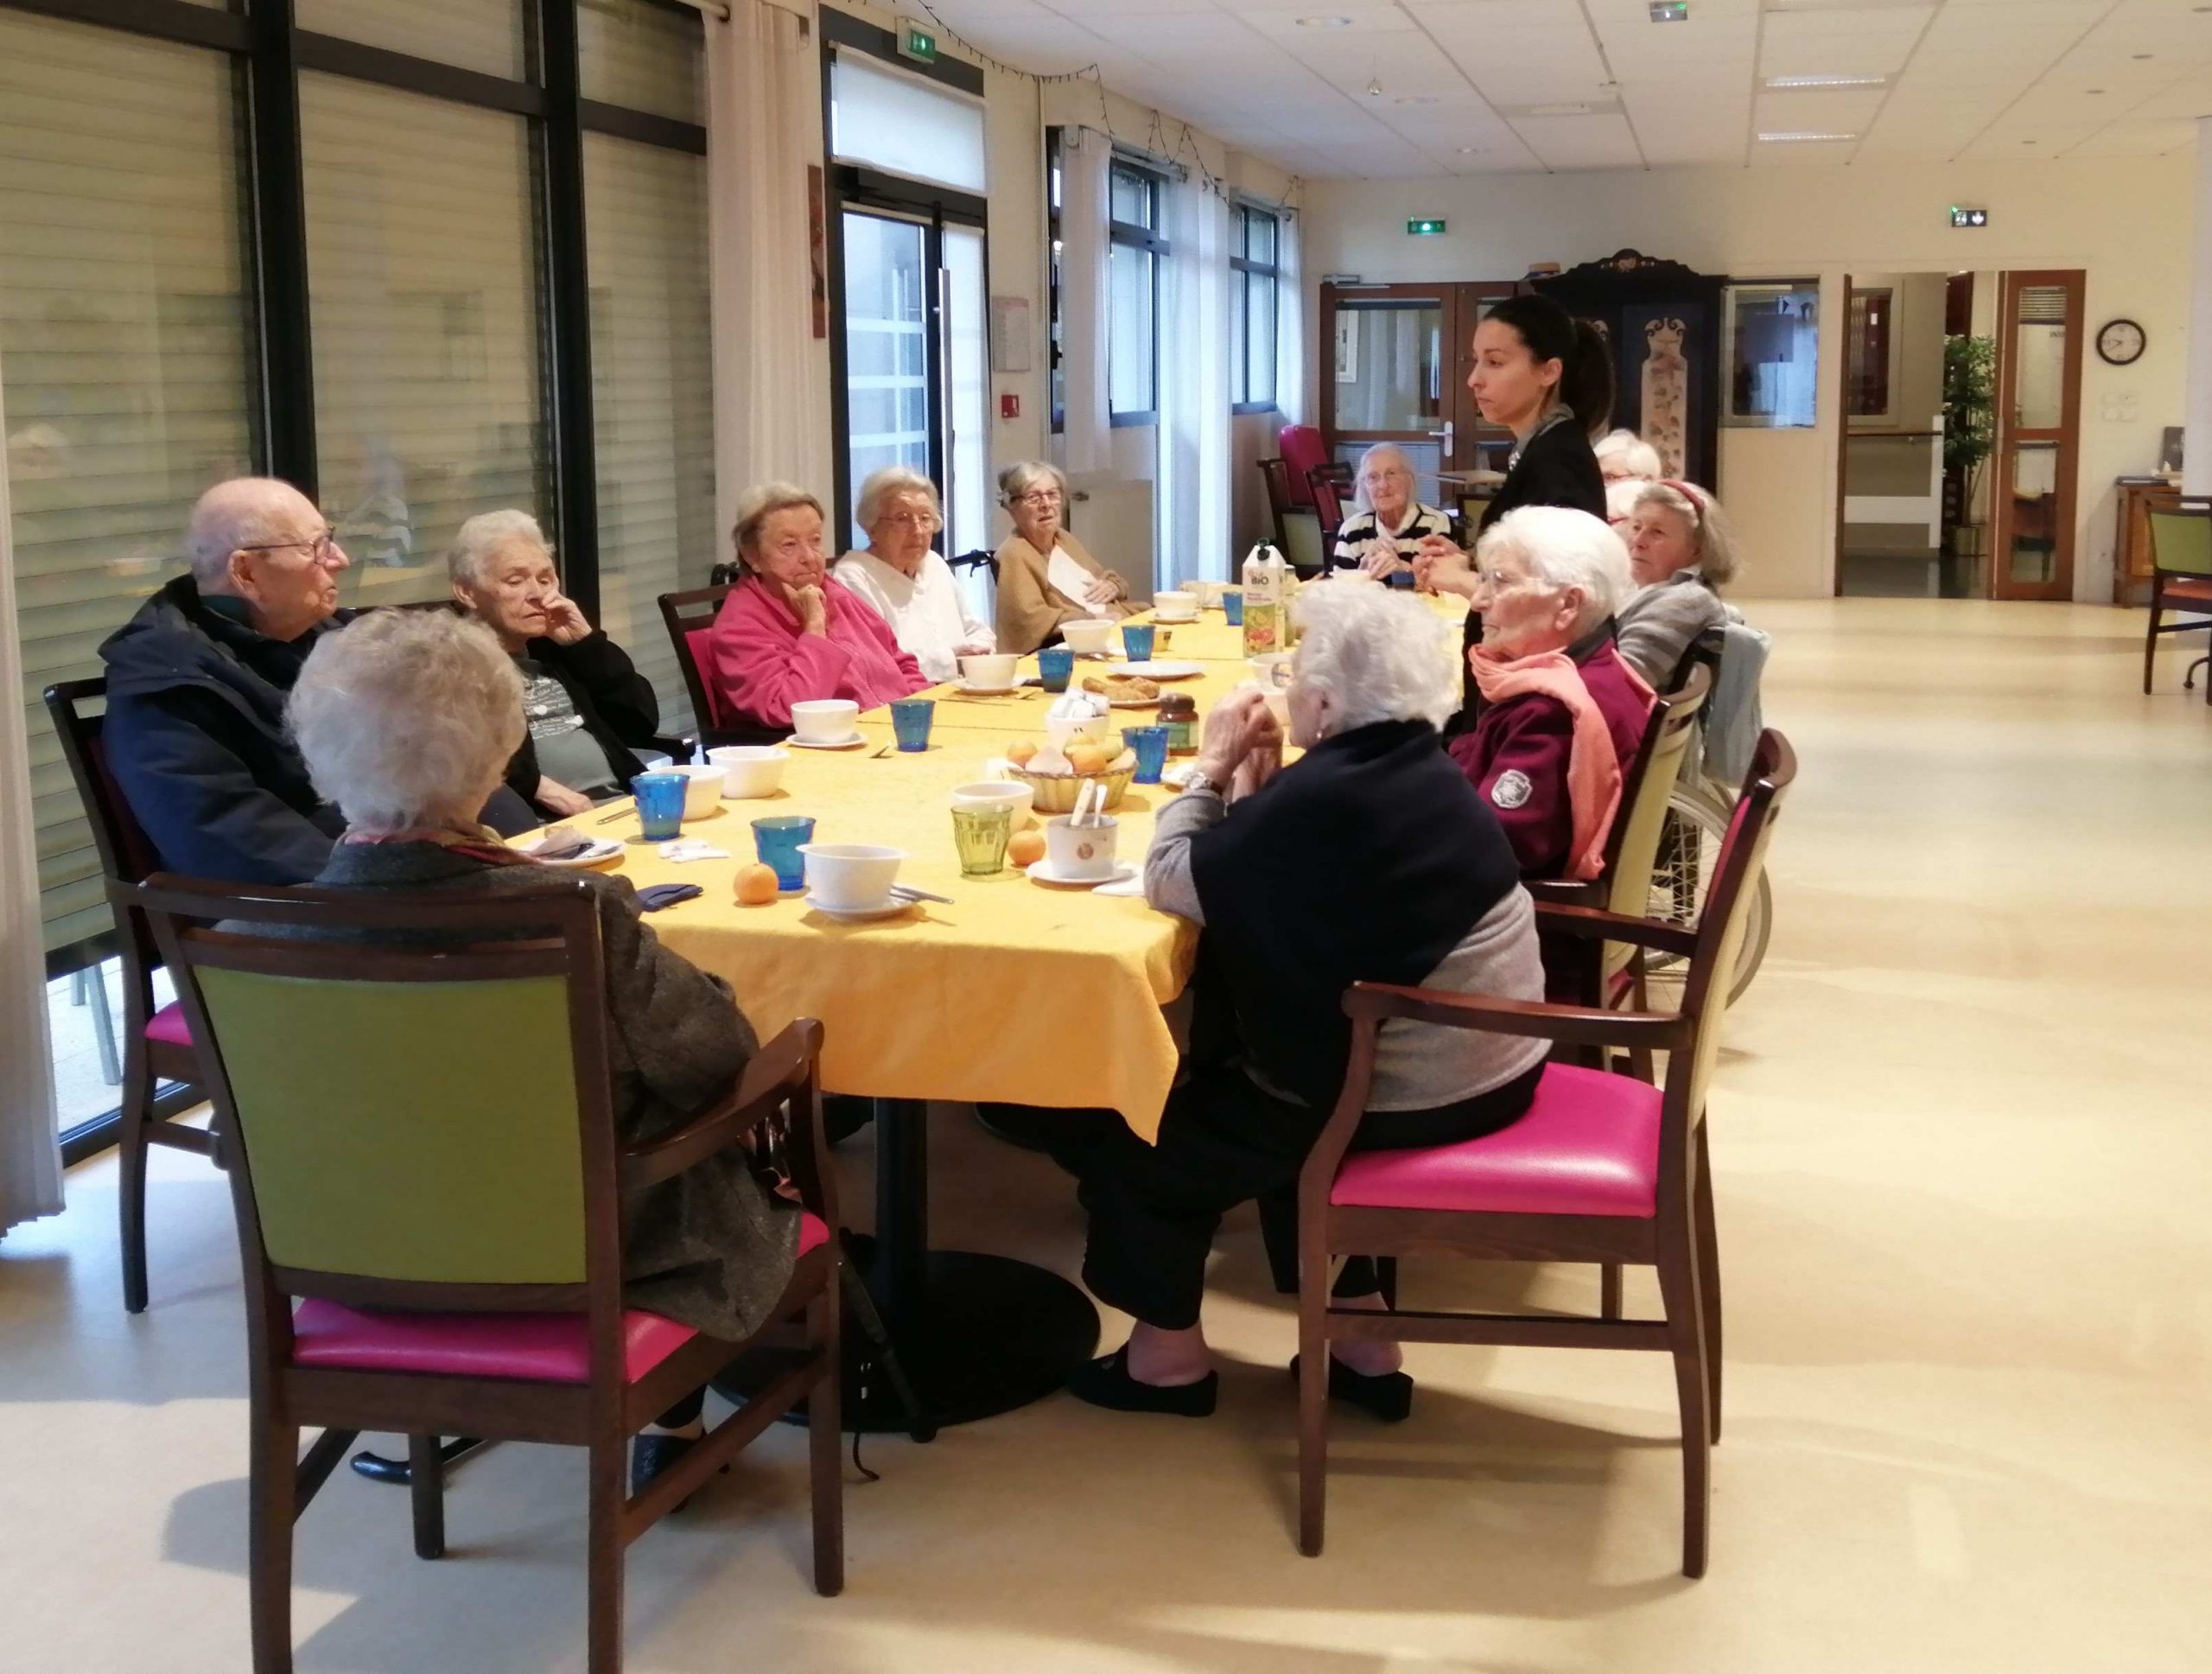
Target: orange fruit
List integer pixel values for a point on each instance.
(1088, 757)
(1020, 750)
(756, 884)
(1026, 848)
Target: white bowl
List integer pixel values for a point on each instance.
(825, 720)
(990, 670)
(1062, 729)
(995, 794)
(749, 770)
(1090, 637)
(1175, 607)
(703, 788)
(846, 875)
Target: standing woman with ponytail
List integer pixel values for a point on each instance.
(1548, 377)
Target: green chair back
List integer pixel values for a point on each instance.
(423, 1131)
(2182, 541)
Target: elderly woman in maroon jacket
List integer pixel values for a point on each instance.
(1560, 715)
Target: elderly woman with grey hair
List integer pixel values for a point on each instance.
(1384, 536)
(909, 585)
(1046, 577)
(1560, 715)
(587, 707)
(407, 721)
(1682, 551)
(790, 633)
(1369, 859)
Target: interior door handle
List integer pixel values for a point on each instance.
(1444, 437)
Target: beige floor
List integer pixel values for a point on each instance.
(1961, 1135)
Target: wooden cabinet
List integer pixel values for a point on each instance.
(2131, 552)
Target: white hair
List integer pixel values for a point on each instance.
(1379, 450)
(759, 503)
(239, 511)
(1641, 458)
(1719, 555)
(483, 535)
(1379, 653)
(1018, 478)
(893, 480)
(407, 717)
(1565, 547)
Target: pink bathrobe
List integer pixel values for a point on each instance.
(759, 663)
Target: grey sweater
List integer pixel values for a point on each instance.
(1418, 1066)
(1653, 629)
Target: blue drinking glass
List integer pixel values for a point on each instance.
(1055, 667)
(660, 804)
(1151, 745)
(1232, 606)
(776, 839)
(1136, 641)
(910, 722)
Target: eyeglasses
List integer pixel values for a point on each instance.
(1040, 498)
(911, 519)
(324, 548)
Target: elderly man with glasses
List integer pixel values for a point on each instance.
(196, 685)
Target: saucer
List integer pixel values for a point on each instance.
(825, 744)
(1175, 621)
(1041, 872)
(601, 850)
(966, 691)
(1163, 671)
(882, 909)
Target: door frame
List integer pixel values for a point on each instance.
(2067, 434)
(1842, 432)
(1460, 301)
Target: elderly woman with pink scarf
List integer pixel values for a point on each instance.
(1561, 716)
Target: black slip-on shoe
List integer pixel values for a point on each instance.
(1387, 1396)
(652, 1453)
(1106, 1383)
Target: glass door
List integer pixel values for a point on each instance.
(917, 367)
(2038, 434)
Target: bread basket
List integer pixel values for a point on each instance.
(1054, 793)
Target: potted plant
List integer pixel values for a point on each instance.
(1969, 431)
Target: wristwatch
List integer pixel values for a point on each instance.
(1198, 779)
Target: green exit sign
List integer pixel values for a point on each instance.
(916, 43)
(1423, 229)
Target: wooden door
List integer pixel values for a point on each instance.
(2036, 462)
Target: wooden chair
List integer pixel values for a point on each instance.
(691, 618)
(1297, 529)
(2181, 579)
(1603, 1169)
(448, 1218)
(157, 1043)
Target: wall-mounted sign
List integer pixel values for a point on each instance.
(916, 43)
(1963, 216)
(1423, 229)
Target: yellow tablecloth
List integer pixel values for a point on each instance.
(1022, 711)
(1016, 992)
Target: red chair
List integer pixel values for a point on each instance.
(1305, 452)
(158, 1041)
(690, 618)
(1603, 1170)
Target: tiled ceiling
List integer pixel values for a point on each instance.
(1335, 89)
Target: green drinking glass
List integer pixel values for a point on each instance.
(980, 835)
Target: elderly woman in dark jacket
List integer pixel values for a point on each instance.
(1420, 888)
(406, 721)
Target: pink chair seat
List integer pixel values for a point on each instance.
(169, 1025)
(545, 1348)
(1589, 1145)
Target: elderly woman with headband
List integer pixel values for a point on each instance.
(1046, 577)
(1383, 538)
(1421, 889)
(909, 585)
(1561, 715)
(789, 632)
(1682, 551)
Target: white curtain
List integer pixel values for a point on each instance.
(1194, 393)
(1087, 435)
(1290, 325)
(772, 373)
(30, 1160)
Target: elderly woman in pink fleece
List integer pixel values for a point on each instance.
(1561, 716)
(788, 633)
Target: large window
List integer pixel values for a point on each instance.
(1253, 275)
(404, 323)
(1771, 343)
(1134, 254)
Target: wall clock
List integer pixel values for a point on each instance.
(2120, 342)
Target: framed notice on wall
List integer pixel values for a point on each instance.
(1347, 346)
(1009, 333)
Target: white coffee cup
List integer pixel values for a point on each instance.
(825, 720)
(1272, 673)
(1175, 607)
(749, 770)
(990, 670)
(850, 876)
(703, 788)
(1088, 637)
(1081, 851)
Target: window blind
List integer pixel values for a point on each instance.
(908, 126)
(123, 357)
(474, 34)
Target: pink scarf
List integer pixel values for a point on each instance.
(1593, 767)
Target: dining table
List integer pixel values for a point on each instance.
(1007, 990)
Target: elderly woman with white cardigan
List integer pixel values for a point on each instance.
(910, 586)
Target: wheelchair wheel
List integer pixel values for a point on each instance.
(1690, 848)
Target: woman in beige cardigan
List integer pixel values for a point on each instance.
(1031, 609)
